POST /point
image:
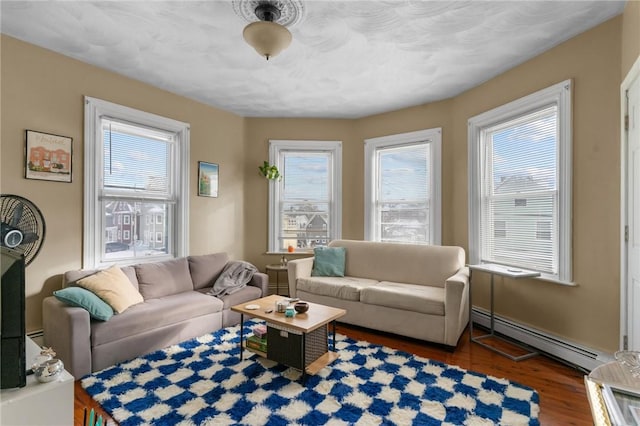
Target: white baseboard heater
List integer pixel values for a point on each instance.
(572, 353)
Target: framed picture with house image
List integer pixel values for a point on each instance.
(47, 156)
(207, 179)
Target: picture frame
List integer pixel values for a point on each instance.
(208, 175)
(48, 156)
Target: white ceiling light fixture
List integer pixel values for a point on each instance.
(268, 34)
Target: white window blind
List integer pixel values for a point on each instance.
(520, 189)
(305, 205)
(402, 188)
(137, 161)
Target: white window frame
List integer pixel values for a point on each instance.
(431, 136)
(95, 109)
(335, 213)
(559, 94)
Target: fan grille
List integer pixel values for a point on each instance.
(29, 221)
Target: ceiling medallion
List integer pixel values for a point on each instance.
(291, 11)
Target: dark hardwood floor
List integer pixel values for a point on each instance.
(563, 400)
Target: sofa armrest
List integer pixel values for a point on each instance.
(67, 330)
(260, 280)
(456, 305)
(299, 268)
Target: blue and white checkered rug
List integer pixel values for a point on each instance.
(201, 382)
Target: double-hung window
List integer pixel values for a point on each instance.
(402, 188)
(520, 184)
(305, 203)
(136, 185)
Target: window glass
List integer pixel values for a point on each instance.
(402, 188)
(520, 176)
(136, 165)
(305, 205)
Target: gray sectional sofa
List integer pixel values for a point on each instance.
(175, 308)
(417, 291)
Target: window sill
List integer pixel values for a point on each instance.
(554, 280)
(286, 253)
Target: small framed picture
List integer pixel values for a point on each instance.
(47, 156)
(207, 179)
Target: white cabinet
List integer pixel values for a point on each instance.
(38, 403)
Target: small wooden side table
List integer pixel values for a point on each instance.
(295, 335)
(277, 268)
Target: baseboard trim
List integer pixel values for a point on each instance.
(572, 353)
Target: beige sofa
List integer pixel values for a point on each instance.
(175, 308)
(411, 290)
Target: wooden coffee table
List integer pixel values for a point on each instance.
(293, 340)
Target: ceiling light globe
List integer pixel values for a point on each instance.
(267, 38)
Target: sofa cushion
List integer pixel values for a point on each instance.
(112, 286)
(244, 295)
(159, 279)
(82, 298)
(347, 288)
(154, 314)
(404, 263)
(328, 262)
(409, 297)
(71, 277)
(206, 268)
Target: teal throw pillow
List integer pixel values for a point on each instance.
(329, 261)
(82, 298)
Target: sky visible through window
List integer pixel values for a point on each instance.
(403, 173)
(135, 162)
(527, 150)
(403, 170)
(306, 176)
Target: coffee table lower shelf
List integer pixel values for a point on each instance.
(312, 368)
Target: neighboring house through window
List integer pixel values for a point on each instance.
(500, 229)
(402, 188)
(305, 204)
(520, 182)
(136, 169)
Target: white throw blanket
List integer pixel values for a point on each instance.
(234, 276)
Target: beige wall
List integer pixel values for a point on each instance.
(587, 313)
(630, 35)
(44, 91)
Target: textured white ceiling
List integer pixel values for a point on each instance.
(348, 59)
